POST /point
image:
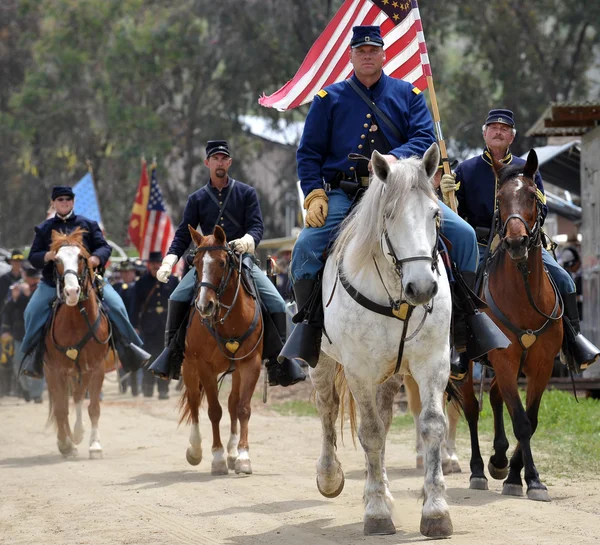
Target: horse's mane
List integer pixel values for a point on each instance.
(74, 238)
(365, 224)
(510, 171)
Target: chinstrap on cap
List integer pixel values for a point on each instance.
(62, 191)
(366, 35)
(217, 146)
(500, 116)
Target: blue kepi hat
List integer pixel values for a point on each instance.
(217, 146)
(366, 35)
(500, 116)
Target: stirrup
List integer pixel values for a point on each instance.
(32, 364)
(458, 369)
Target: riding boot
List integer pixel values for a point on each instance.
(32, 364)
(475, 334)
(132, 357)
(286, 372)
(168, 363)
(577, 351)
(304, 344)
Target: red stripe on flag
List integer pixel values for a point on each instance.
(335, 40)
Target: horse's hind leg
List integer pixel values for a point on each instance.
(95, 387)
(414, 406)
(234, 437)
(498, 464)
(330, 476)
(249, 373)
(371, 432)
(453, 414)
(435, 518)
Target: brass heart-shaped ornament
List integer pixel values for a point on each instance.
(527, 339)
(232, 346)
(72, 353)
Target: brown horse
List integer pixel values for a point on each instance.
(523, 301)
(77, 348)
(225, 334)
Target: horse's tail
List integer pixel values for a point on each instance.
(186, 403)
(341, 386)
(455, 395)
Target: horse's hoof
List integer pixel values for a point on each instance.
(478, 483)
(192, 460)
(243, 466)
(335, 493)
(498, 473)
(70, 452)
(231, 462)
(219, 467)
(512, 490)
(420, 461)
(437, 526)
(379, 527)
(538, 494)
(96, 454)
(456, 467)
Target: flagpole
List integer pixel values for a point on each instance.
(440, 137)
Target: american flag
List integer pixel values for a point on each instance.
(150, 227)
(328, 62)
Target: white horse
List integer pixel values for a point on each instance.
(387, 253)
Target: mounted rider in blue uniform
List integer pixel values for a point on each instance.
(39, 309)
(475, 184)
(370, 111)
(233, 206)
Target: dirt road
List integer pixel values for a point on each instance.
(144, 492)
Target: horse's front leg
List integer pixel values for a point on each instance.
(234, 437)
(386, 393)
(371, 433)
(249, 372)
(330, 476)
(498, 464)
(190, 411)
(95, 388)
(79, 390)
(58, 393)
(435, 519)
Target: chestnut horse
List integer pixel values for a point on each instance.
(524, 302)
(77, 346)
(225, 334)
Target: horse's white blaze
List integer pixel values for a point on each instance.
(366, 343)
(69, 257)
(207, 265)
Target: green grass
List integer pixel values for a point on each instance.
(566, 442)
(296, 408)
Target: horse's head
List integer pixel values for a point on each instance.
(410, 221)
(71, 264)
(213, 260)
(518, 209)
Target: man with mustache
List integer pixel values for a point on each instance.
(475, 187)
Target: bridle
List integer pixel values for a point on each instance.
(82, 279)
(231, 344)
(219, 290)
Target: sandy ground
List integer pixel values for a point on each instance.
(144, 492)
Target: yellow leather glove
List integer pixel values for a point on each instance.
(448, 185)
(316, 208)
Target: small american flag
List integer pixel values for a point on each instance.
(150, 227)
(327, 61)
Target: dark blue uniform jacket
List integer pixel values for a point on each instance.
(150, 306)
(477, 192)
(339, 122)
(93, 240)
(202, 211)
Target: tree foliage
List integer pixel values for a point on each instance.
(112, 80)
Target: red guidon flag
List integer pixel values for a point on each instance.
(150, 227)
(328, 62)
